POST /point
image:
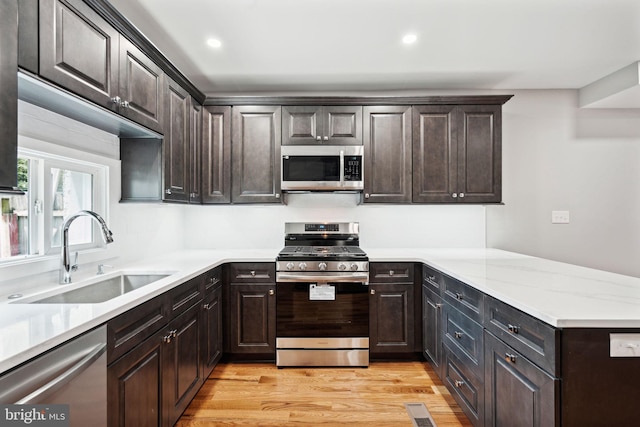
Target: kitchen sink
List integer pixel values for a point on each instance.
(100, 291)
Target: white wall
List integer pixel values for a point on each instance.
(557, 156)
(392, 226)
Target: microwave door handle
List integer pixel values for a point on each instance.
(341, 168)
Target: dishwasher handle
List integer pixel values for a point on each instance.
(66, 376)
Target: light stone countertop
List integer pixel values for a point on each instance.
(562, 295)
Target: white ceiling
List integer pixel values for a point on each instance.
(301, 46)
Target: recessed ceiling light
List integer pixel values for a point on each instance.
(214, 43)
(409, 39)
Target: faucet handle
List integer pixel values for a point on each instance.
(101, 268)
(74, 266)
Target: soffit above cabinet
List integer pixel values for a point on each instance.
(620, 89)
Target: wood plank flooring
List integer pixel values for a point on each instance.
(259, 394)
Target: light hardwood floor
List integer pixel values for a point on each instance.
(258, 394)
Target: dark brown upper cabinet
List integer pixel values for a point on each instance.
(83, 53)
(457, 154)
(332, 125)
(387, 147)
(9, 101)
(216, 155)
(255, 140)
(176, 143)
(195, 152)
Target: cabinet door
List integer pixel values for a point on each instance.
(134, 386)
(387, 147)
(9, 99)
(301, 125)
(432, 328)
(211, 339)
(252, 319)
(479, 154)
(435, 154)
(342, 125)
(256, 154)
(195, 153)
(141, 87)
(176, 143)
(79, 50)
(391, 321)
(216, 155)
(517, 392)
(182, 375)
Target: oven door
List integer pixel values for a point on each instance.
(321, 310)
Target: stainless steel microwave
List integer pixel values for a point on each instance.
(322, 168)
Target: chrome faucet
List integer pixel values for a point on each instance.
(65, 267)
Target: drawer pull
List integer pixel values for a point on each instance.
(459, 296)
(391, 272)
(207, 306)
(458, 334)
(510, 357)
(438, 305)
(170, 336)
(431, 278)
(513, 328)
(253, 273)
(458, 383)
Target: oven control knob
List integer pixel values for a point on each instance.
(290, 266)
(302, 266)
(354, 266)
(322, 266)
(342, 266)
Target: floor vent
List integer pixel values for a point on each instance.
(420, 416)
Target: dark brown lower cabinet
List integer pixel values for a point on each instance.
(251, 319)
(134, 385)
(211, 341)
(465, 384)
(517, 392)
(391, 318)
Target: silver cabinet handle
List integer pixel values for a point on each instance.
(116, 100)
(167, 191)
(170, 336)
(326, 138)
(253, 273)
(438, 305)
(391, 272)
(124, 104)
(458, 334)
(65, 377)
(272, 292)
(207, 306)
(454, 195)
(318, 138)
(458, 383)
(513, 328)
(372, 291)
(510, 357)
(459, 296)
(367, 195)
(461, 194)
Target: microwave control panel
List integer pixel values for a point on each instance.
(353, 168)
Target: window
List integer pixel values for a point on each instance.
(55, 188)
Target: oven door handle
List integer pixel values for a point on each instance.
(362, 277)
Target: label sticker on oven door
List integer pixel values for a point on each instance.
(322, 292)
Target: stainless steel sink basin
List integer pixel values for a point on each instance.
(101, 291)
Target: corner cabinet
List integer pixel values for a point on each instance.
(255, 140)
(457, 153)
(83, 53)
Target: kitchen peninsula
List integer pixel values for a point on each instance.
(581, 307)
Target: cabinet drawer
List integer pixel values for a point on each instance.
(183, 297)
(468, 300)
(252, 272)
(464, 337)
(391, 272)
(536, 340)
(465, 386)
(432, 278)
(212, 280)
(134, 326)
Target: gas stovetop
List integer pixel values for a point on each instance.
(339, 252)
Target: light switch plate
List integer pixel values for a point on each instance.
(559, 217)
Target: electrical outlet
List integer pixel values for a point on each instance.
(559, 217)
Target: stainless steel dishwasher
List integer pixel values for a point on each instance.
(74, 373)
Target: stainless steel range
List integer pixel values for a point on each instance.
(322, 303)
